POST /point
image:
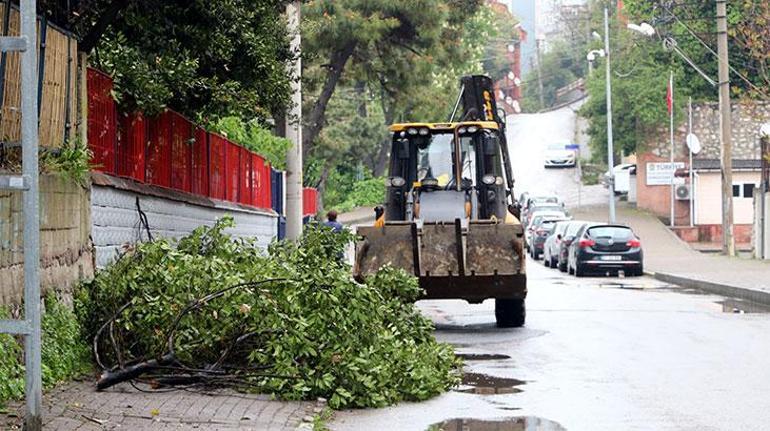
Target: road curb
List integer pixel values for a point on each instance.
(757, 296)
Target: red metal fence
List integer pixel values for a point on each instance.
(170, 151)
(309, 201)
(102, 121)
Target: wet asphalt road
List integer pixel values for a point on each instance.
(596, 353)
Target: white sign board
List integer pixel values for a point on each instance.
(661, 174)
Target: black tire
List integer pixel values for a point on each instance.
(579, 270)
(639, 271)
(546, 262)
(553, 262)
(535, 255)
(510, 313)
(562, 267)
(570, 271)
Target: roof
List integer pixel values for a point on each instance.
(715, 164)
(398, 127)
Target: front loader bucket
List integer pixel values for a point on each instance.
(474, 262)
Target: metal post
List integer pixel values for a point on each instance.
(671, 158)
(728, 240)
(31, 213)
(294, 131)
(610, 161)
(692, 188)
(538, 41)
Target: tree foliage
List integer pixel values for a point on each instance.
(204, 58)
(312, 330)
(253, 136)
(641, 66)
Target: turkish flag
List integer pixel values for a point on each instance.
(621, 16)
(670, 95)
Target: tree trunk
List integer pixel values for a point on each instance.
(315, 120)
(382, 156)
(321, 187)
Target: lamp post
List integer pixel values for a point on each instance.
(647, 30)
(764, 136)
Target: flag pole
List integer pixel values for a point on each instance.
(671, 127)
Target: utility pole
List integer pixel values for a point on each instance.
(538, 42)
(671, 131)
(294, 130)
(725, 124)
(610, 161)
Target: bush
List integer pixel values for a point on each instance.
(64, 352)
(313, 330)
(364, 193)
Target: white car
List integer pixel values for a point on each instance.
(622, 174)
(557, 155)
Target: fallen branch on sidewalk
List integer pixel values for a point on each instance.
(212, 312)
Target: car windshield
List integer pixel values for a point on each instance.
(573, 228)
(617, 233)
(541, 200)
(434, 158)
(555, 147)
(552, 208)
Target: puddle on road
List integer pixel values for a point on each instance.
(481, 356)
(484, 384)
(738, 306)
(522, 423)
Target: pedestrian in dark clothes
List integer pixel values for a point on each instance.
(331, 221)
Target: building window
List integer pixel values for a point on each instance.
(736, 190)
(748, 190)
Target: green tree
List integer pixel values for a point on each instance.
(205, 58)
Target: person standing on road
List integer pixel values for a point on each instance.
(331, 221)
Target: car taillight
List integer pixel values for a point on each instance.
(586, 243)
(634, 243)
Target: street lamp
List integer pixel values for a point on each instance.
(591, 57)
(647, 30)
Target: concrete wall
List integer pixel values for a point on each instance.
(747, 117)
(66, 254)
(170, 214)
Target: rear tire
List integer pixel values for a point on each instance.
(546, 261)
(510, 313)
(570, 271)
(553, 262)
(579, 271)
(562, 267)
(535, 255)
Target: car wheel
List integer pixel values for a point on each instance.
(510, 313)
(562, 267)
(546, 261)
(639, 272)
(553, 262)
(570, 271)
(579, 270)
(535, 255)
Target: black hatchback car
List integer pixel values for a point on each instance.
(601, 248)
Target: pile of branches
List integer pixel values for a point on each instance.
(210, 311)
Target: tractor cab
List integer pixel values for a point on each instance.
(447, 164)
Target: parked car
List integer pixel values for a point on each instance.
(558, 156)
(553, 243)
(541, 228)
(603, 248)
(540, 208)
(537, 217)
(622, 174)
(566, 240)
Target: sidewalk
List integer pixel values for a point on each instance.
(670, 259)
(77, 406)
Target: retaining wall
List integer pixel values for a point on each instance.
(172, 214)
(65, 255)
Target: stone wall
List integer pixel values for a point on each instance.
(171, 214)
(747, 117)
(65, 227)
